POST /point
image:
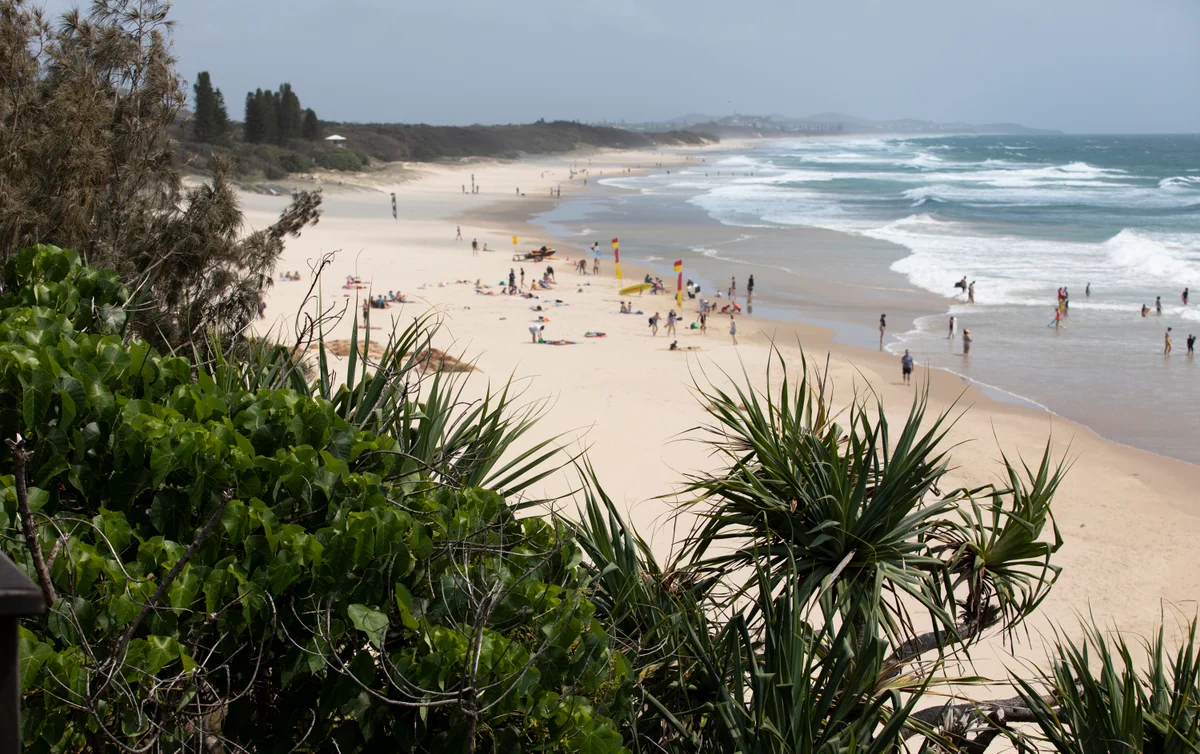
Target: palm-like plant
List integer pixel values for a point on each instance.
(1102, 699)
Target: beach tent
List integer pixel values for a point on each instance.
(336, 141)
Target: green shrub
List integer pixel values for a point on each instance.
(249, 565)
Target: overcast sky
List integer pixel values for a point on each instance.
(1075, 65)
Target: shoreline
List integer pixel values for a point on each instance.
(627, 400)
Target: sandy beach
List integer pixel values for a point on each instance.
(1128, 517)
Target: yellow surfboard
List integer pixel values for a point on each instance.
(638, 288)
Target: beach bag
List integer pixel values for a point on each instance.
(650, 321)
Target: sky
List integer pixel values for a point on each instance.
(1081, 66)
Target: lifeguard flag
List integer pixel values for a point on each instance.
(679, 284)
(679, 265)
(617, 258)
(514, 240)
(614, 243)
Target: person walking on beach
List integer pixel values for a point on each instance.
(457, 232)
(906, 367)
(733, 329)
(1158, 305)
(1167, 342)
(703, 322)
(654, 324)
(966, 342)
(971, 293)
(750, 290)
(1185, 296)
(882, 329)
(474, 247)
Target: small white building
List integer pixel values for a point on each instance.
(336, 141)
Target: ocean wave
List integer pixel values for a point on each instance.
(1180, 181)
(1061, 194)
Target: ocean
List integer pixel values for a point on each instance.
(1021, 216)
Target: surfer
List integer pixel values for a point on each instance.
(962, 284)
(1145, 310)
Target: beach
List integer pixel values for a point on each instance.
(1128, 517)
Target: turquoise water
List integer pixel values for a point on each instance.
(1020, 216)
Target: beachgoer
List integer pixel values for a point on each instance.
(966, 342)
(1088, 291)
(457, 232)
(1057, 317)
(550, 274)
(1185, 296)
(671, 323)
(951, 334)
(971, 293)
(512, 281)
(733, 329)
(1191, 344)
(1145, 310)
(882, 329)
(704, 322)
(732, 287)
(654, 324)
(474, 247)
(596, 258)
(750, 289)
(535, 331)
(1167, 342)
(906, 367)
(1158, 305)
(522, 278)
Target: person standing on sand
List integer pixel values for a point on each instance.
(966, 342)
(522, 279)
(512, 281)
(654, 324)
(704, 323)
(1167, 342)
(733, 329)
(906, 367)
(474, 247)
(596, 258)
(535, 331)
(971, 293)
(457, 232)
(882, 329)
(750, 290)
(671, 323)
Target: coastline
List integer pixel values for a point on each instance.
(627, 400)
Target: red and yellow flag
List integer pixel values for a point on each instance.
(679, 284)
(617, 258)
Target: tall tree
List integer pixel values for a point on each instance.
(255, 128)
(290, 114)
(205, 114)
(311, 130)
(270, 110)
(87, 162)
(220, 120)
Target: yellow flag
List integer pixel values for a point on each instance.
(514, 240)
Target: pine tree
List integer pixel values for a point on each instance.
(204, 116)
(290, 114)
(312, 127)
(270, 110)
(220, 121)
(255, 128)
